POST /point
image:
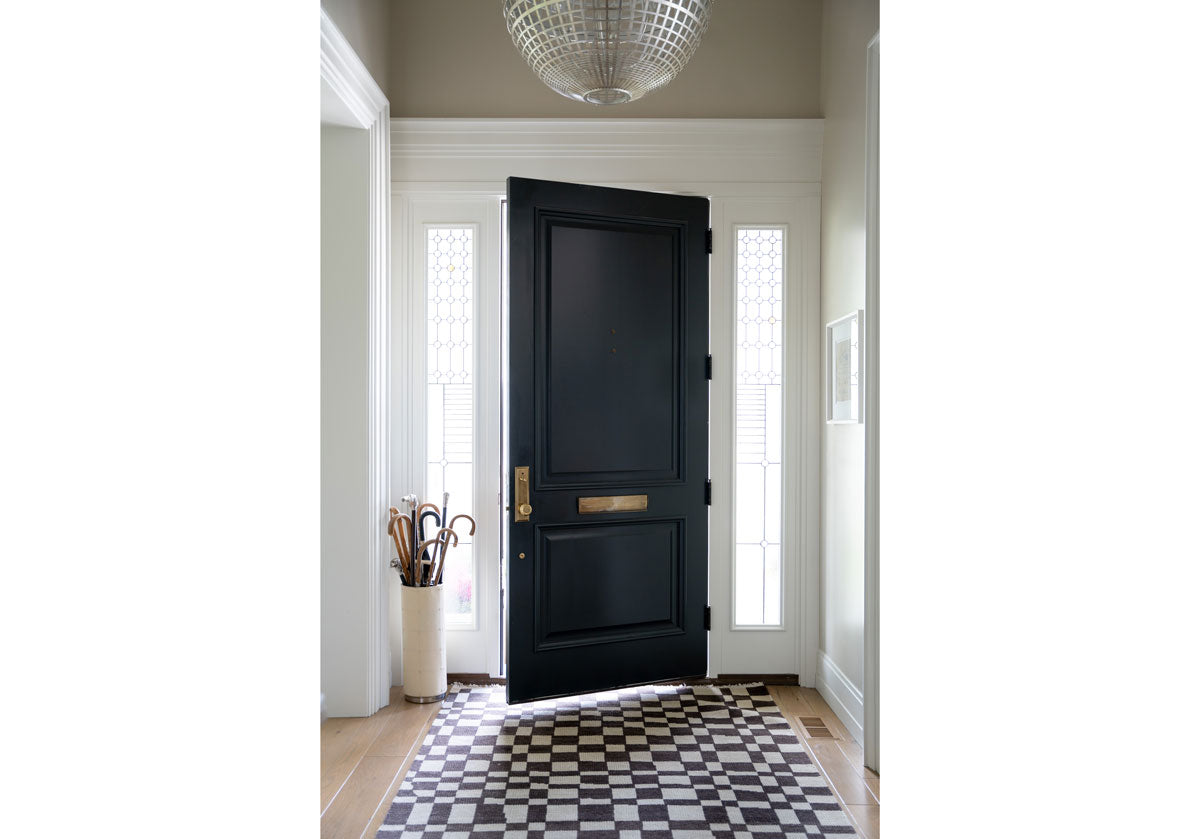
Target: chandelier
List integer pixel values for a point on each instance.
(607, 52)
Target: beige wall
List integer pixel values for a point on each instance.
(760, 58)
(847, 27)
(366, 25)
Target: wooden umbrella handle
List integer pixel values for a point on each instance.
(434, 542)
(406, 539)
(463, 516)
(436, 576)
(397, 529)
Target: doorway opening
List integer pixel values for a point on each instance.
(480, 646)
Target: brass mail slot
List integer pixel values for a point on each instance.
(613, 504)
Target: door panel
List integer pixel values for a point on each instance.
(604, 322)
(608, 397)
(608, 582)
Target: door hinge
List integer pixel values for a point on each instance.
(708, 240)
(708, 617)
(708, 493)
(708, 368)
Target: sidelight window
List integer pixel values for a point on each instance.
(758, 506)
(450, 398)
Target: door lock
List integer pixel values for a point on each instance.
(521, 506)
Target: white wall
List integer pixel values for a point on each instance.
(344, 287)
(847, 27)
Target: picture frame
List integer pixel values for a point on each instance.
(843, 369)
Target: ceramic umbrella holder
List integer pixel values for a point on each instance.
(424, 642)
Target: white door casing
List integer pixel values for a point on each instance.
(473, 648)
(871, 420)
(790, 647)
(356, 557)
(452, 171)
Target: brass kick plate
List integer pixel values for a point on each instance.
(613, 504)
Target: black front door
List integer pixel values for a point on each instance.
(608, 419)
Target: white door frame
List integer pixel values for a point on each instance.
(469, 649)
(871, 421)
(743, 166)
(748, 650)
(351, 97)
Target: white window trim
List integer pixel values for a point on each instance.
(750, 648)
(453, 622)
(788, 557)
(470, 647)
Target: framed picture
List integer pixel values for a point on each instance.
(843, 369)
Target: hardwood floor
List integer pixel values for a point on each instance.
(364, 759)
(835, 753)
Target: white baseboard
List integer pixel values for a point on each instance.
(843, 697)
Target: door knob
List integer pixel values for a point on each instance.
(521, 505)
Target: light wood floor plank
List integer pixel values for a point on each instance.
(797, 729)
(846, 780)
(344, 741)
(386, 803)
(790, 701)
(866, 818)
(350, 812)
(402, 727)
(822, 709)
(854, 754)
(873, 785)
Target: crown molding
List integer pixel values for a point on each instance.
(345, 74)
(633, 150)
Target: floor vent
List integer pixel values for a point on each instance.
(815, 728)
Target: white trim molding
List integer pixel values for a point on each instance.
(871, 420)
(343, 73)
(608, 151)
(843, 697)
(471, 648)
(791, 647)
(753, 171)
(347, 77)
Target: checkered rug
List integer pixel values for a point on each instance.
(641, 762)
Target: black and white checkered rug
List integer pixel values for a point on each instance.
(641, 762)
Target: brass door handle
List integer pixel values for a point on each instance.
(521, 507)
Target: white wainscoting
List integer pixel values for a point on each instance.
(843, 697)
(607, 151)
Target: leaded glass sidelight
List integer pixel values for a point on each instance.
(449, 397)
(758, 505)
